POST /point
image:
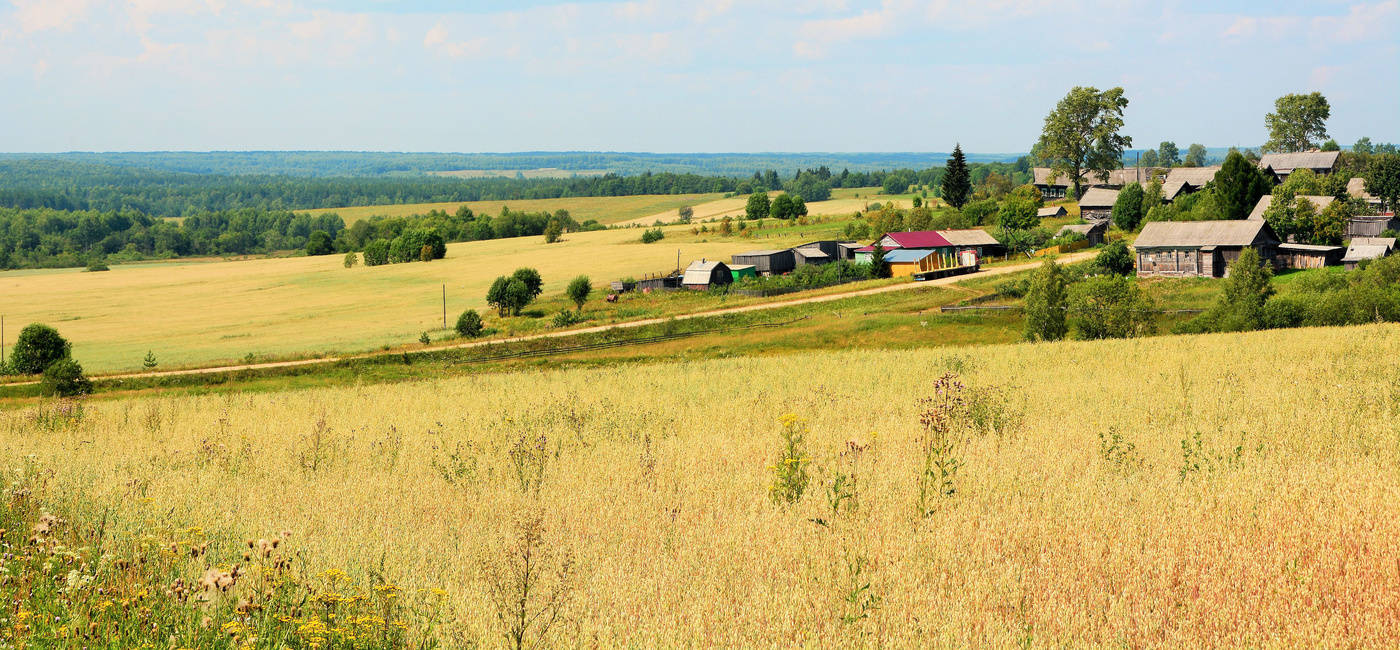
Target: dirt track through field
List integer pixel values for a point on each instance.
(904, 286)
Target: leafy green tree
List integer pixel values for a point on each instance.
(1127, 210)
(509, 295)
(1115, 259)
(1331, 145)
(1081, 134)
(1241, 304)
(1238, 185)
(578, 290)
(554, 231)
(65, 378)
(532, 280)
(350, 259)
(653, 235)
(1297, 123)
(1168, 155)
(1196, 155)
(1045, 304)
(1149, 158)
(757, 207)
(799, 206)
(980, 212)
(918, 202)
(38, 346)
(1363, 146)
(686, 213)
(319, 243)
(1018, 213)
(469, 324)
(957, 183)
(1383, 178)
(1111, 307)
(377, 253)
(782, 207)
(1151, 196)
(879, 268)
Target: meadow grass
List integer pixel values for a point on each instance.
(1219, 490)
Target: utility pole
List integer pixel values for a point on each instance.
(444, 306)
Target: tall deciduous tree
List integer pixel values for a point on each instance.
(1081, 134)
(1045, 304)
(1238, 185)
(1383, 178)
(757, 207)
(782, 207)
(957, 184)
(1196, 155)
(1149, 158)
(1168, 155)
(1297, 123)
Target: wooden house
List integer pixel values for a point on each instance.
(703, 274)
(768, 262)
(1200, 248)
(1097, 204)
(1057, 186)
(1094, 232)
(928, 240)
(1307, 256)
(1361, 249)
(1356, 187)
(1052, 212)
(979, 241)
(810, 255)
(1320, 203)
(1181, 181)
(1283, 164)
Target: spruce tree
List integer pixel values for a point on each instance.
(1239, 184)
(957, 184)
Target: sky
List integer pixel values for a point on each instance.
(674, 75)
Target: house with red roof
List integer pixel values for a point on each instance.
(934, 250)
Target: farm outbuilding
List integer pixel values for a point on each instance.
(768, 262)
(1283, 164)
(908, 262)
(1181, 181)
(979, 241)
(1051, 212)
(925, 240)
(703, 274)
(835, 250)
(1356, 187)
(1319, 203)
(1367, 248)
(805, 255)
(1307, 256)
(1097, 204)
(1200, 248)
(1371, 225)
(1094, 232)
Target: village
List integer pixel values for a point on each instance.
(1201, 248)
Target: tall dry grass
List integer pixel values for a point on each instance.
(1222, 490)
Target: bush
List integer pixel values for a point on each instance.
(652, 235)
(1115, 259)
(579, 289)
(567, 317)
(377, 252)
(38, 346)
(425, 254)
(469, 323)
(350, 259)
(65, 378)
(319, 243)
(1285, 311)
(96, 265)
(1111, 307)
(980, 212)
(1127, 210)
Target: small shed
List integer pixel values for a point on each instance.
(741, 271)
(701, 275)
(806, 255)
(1371, 225)
(1200, 248)
(1307, 256)
(1094, 232)
(1051, 212)
(905, 262)
(846, 250)
(1367, 248)
(768, 262)
(1097, 204)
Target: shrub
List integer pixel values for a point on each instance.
(377, 252)
(652, 235)
(1115, 259)
(38, 346)
(980, 212)
(469, 323)
(65, 378)
(319, 243)
(554, 231)
(1127, 210)
(686, 213)
(350, 259)
(566, 318)
(1111, 307)
(1285, 311)
(425, 254)
(97, 264)
(1045, 304)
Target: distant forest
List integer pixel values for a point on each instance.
(66, 212)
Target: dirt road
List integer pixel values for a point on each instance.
(904, 286)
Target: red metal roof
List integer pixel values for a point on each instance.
(912, 239)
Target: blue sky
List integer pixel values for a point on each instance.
(674, 75)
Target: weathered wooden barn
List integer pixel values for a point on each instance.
(1094, 232)
(835, 250)
(768, 262)
(979, 241)
(1307, 256)
(1097, 204)
(1319, 203)
(1057, 186)
(1051, 212)
(1181, 181)
(1283, 164)
(703, 274)
(1200, 248)
(1361, 249)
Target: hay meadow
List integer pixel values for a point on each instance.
(1224, 490)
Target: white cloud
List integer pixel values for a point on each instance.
(40, 15)
(817, 34)
(1363, 22)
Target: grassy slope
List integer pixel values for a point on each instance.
(606, 209)
(656, 483)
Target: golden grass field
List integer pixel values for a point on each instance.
(211, 311)
(843, 202)
(606, 209)
(1279, 526)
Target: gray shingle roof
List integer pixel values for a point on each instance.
(1319, 202)
(1041, 176)
(1388, 242)
(1098, 197)
(1195, 234)
(969, 237)
(1083, 228)
(1357, 188)
(1197, 176)
(1356, 253)
(1053, 211)
(1283, 163)
(699, 272)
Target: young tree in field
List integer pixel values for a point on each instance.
(578, 290)
(1383, 178)
(1111, 307)
(532, 280)
(1115, 259)
(1081, 134)
(553, 231)
(65, 378)
(879, 268)
(957, 184)
(1045, 304)
(1168, 155)
(782, 207)
(686, 213)
(799, 206)
(1241, 304)
(469, 323)
(509, 295)
(149, 363)
(319, 243)
(38, 346)
(1149, 158)
(1127, 210)
(1238, 185)
(1196, 155)
(350, 260)
(1297, 123)
(757, 207)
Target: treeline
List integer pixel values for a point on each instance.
(56, 238)
(401, 238)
